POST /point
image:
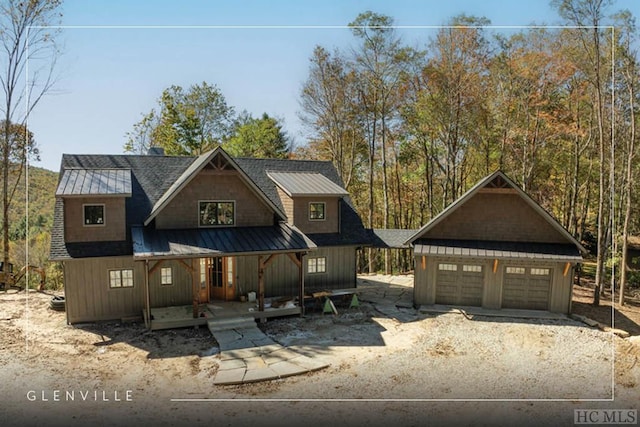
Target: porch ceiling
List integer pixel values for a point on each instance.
(195, 243)
(494, 249)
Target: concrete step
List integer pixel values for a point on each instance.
(231, 323)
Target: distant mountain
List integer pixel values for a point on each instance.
(41, 192)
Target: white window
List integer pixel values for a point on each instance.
(515, 270)
(317, 211)
(93, 215)
(447, 267)
(472, 268)
(121, 278)
(317, 265)
(540, 271)
(166, 276)
(217, 213)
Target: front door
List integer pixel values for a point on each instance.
(221, 278)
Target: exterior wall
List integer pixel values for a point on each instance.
(114, 228)
(281, 275)
(301, 215)
(87, 292)
(561, 285)
(178, 293)
(287, 204)
(341, 269)
(497, 216)
(183, 210)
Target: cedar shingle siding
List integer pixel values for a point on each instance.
(501, 231)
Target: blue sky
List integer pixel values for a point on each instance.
(109, 77)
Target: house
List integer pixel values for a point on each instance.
(633, 253)
(495, 247)
(136, 233)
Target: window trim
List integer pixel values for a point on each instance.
(121, 279)
(162, 276)
(444, 266)
(233, 202)
(84, 215)
(521, 271)
(324, 211)
(315, 263)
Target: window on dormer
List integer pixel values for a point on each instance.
(212, 213)
(93, 215)
(317, 211)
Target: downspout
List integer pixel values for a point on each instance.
(147, 319)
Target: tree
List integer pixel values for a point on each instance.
(329, 111)
(261, 137)
(589, 14)
(27, 37)
(186, 123)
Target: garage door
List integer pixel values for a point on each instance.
(526, 287)
(459, 284)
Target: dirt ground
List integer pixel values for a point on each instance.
(390, 365)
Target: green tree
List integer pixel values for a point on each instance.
(261, 137)
(186, 122)
(26, 37)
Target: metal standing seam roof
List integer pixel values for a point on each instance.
(94, 182)
(185, 243)
(306, 184)
(495, 249)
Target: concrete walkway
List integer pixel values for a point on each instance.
(248, 355)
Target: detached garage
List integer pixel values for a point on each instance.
(495, 247)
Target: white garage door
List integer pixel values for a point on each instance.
(459, 284)
(526, 288)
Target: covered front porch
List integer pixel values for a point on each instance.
(241, 272)
(182, 316)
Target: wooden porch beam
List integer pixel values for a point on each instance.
(189, 268)
(156, 266)
(566, 269)
(495, 265)
(423, 262)
(294, 258)
(298, 261)
(269, 260)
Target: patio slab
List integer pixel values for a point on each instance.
(248, 355)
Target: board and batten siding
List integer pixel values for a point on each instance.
(180, 292)
(281, 275)
(341, 269)
(425, 281)
(89, 297)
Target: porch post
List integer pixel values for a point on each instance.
(147, 302)
(260, 283)
(300, 257)
(194, 289)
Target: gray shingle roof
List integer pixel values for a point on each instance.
(306, 184)
(391, 238)
(153, 176)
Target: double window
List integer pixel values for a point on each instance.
(93, 215)
(317, 265)
(212, 213)
(317, 211)
(121, 278)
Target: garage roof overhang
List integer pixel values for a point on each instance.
(498, 250)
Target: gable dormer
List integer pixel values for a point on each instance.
(94, 204)
(213, 192)
(311, 200)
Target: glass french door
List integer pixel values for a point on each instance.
(220, 274)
